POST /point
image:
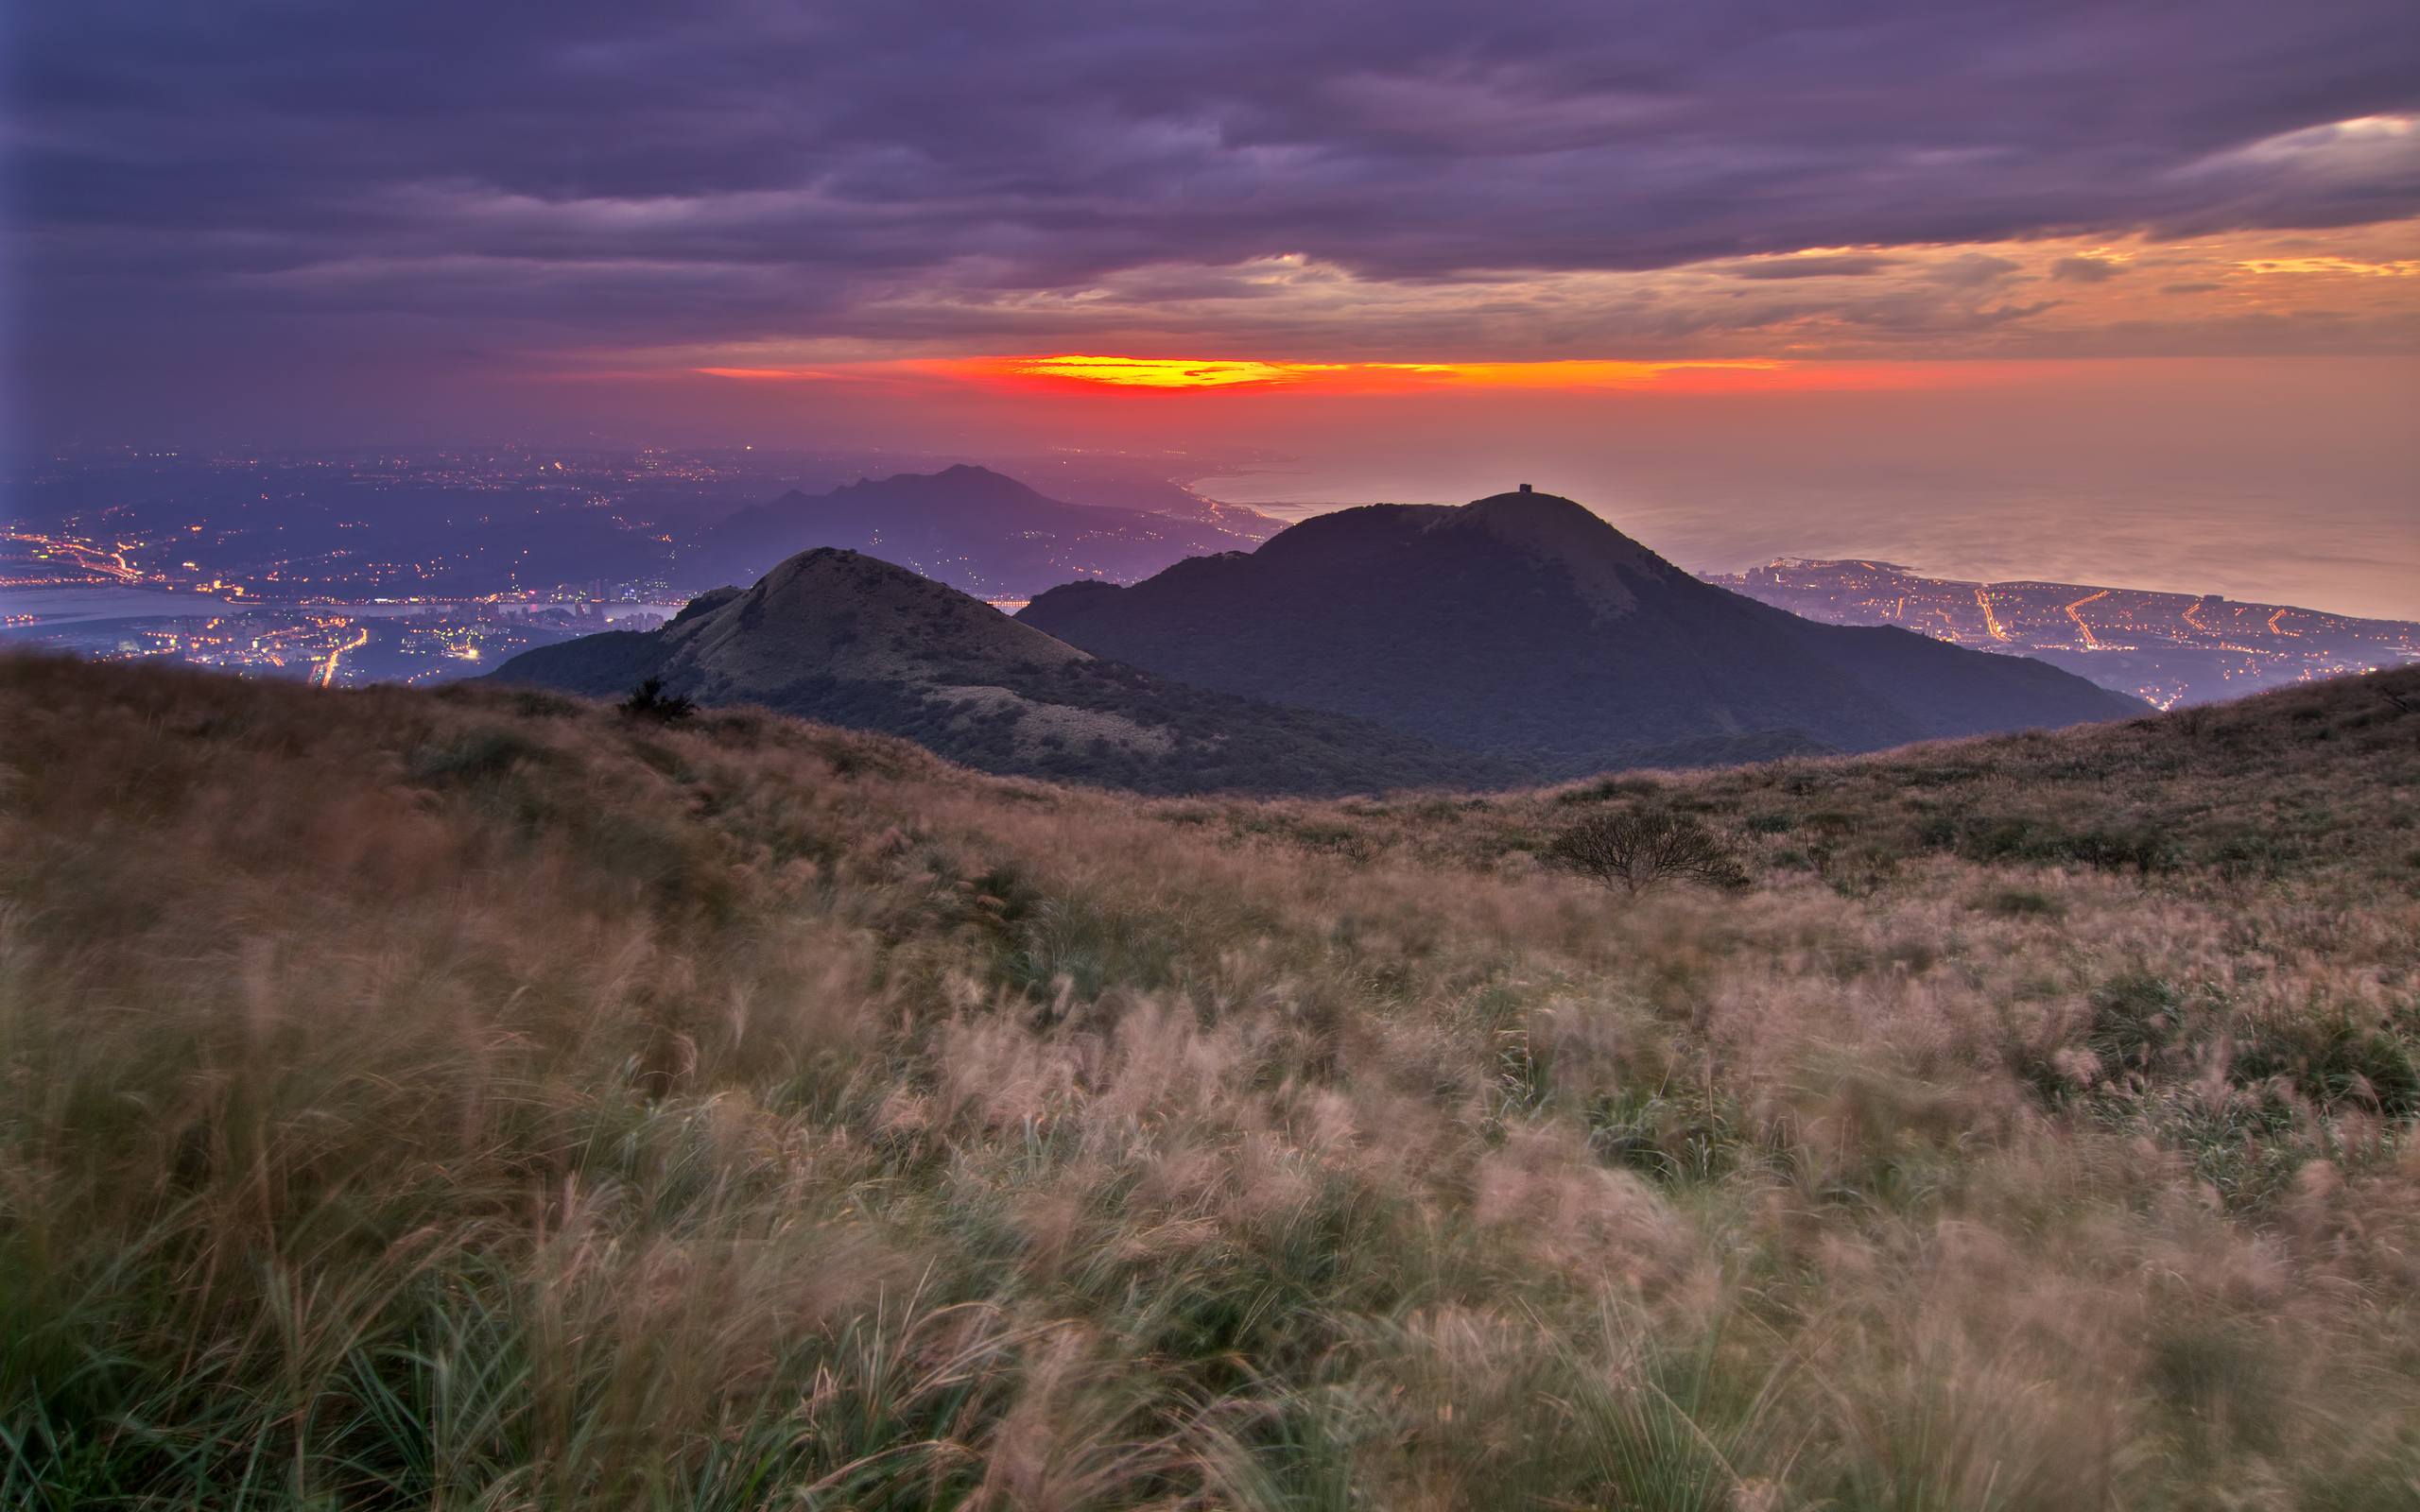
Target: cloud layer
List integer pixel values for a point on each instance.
(454, 180)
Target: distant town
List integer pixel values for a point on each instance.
(430, 566)
(2168, 648)
(424, 565)
(347, 569)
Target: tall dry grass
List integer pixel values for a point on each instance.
(480, 1101)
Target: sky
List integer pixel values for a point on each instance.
(2130, 289)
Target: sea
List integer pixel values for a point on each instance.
(2345, 553)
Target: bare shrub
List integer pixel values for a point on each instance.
(650, 701)
(1638, 848)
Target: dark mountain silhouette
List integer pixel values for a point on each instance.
(1522, 623)
(1120, 483)
(975, 529)
(848, 640)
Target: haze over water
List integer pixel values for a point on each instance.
(2286, 481)
(2349, 555)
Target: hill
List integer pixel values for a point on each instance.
(1522, 623)
(975, 529)
(851, 641)
(427, 1098)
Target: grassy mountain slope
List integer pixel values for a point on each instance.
(839, 637)
(480, 1099)
(1524, 623)
(977, 531)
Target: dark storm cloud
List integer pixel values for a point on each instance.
(613, 172)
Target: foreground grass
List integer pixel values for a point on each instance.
(483, 1101)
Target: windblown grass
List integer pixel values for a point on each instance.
(483, 1101)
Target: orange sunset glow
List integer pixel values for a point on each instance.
(1093, 370)
(1174, 372)
(1169, 372)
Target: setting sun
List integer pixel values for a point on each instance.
(1224, 373)
(1165, 372)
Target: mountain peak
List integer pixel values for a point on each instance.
(957, 475)
(831, 610)
(1526, 506)
(837, 635)
(979, 530)
(1602, 560)
(1525, 623)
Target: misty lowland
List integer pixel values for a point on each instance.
(495, 1098)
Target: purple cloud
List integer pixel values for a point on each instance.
(546, 176)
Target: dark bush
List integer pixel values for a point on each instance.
(2135, 1017)
(650, 701)
(1987, 839)
(1639, 849)
(2017, 903)
(2334, 1059)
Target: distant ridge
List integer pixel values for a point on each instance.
(846, 639)
(979, 531)
(1523, 624)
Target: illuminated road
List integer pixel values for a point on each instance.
(2088, 640)
(328, 669)
(1991, 621)
(2166, 648)
(110, 564)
